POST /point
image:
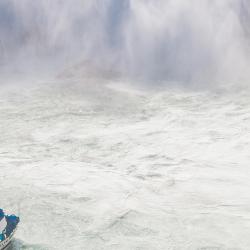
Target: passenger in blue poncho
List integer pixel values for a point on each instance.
(2, 236)
(1, 213)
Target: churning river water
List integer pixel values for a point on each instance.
(93, 164)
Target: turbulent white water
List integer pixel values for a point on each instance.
(96, 164)
(142, 141)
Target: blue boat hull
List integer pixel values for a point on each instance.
(5, 243)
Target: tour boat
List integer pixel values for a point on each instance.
(8, 227)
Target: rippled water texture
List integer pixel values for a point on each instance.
(97, 165)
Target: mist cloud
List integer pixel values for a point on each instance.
(155, 40)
